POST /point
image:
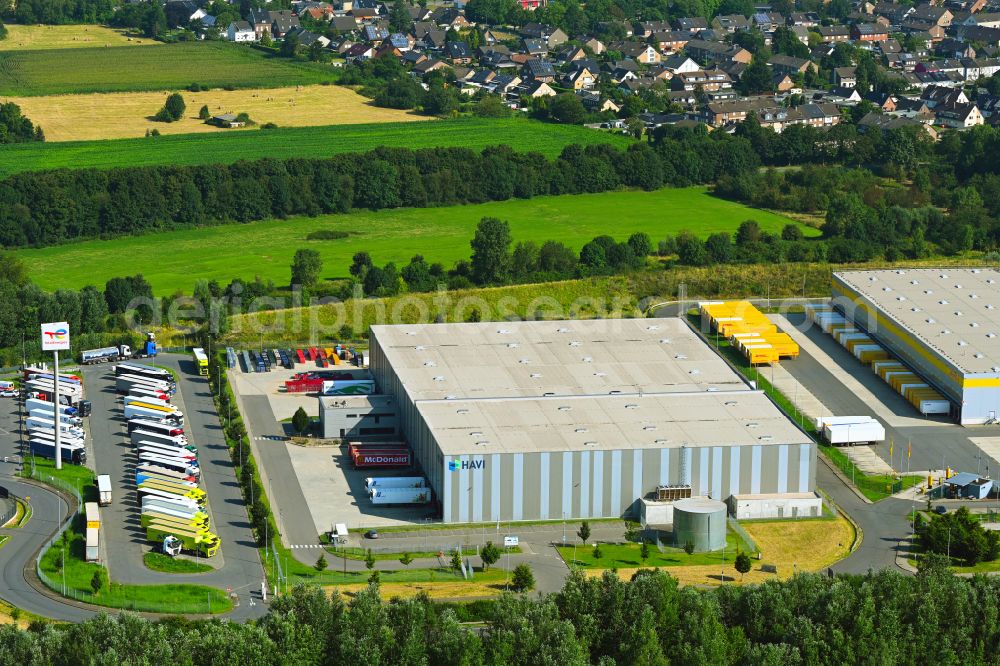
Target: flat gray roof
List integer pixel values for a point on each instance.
(953, 311)
(604, 423)
(606, 384)
(535, 358)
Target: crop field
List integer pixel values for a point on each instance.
(129, 114)
(230, 146)
(159, 67)
(34, 37)
(174, 260)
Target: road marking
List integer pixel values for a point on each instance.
(307, 545)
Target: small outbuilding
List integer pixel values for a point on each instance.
(968, 485)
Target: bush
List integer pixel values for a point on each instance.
(173, 109)
(327, 234)
(522, 580)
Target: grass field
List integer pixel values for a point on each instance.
(174, 260)
(621, 556)
(451, 591)
(64, 563)
(790, 545)
(120, 115)
(167, 564)
(35, 37)
(227, 147)
(158, 67)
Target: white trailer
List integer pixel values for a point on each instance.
(156, 492)
(854, 433)
(105, 354)
(823, 421)
(145, 394)
(48, 406)
(184, 503)
(340, 534)
(49, 435)
(50, 416)
(143, 371)
(174, 512)
(176, 464)
(138, 410)
(150, 471)
(42, 423)
(45, 448)
(104, 489)
(382, 482)
(400, 495)
(163, 450)
(67, 389)
(125, 382)
(93, 546)
(156, 425)
(132, 398)
(156, 438)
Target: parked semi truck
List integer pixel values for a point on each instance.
(146, 491)
(74, 453)
(170, 517)
(145, 471)
(156, 425)
(190, 506)
(42, 423)
(179, 511)
(189, 467)
(49, 406)
(205, 544)
(120, 352)
(74, 421)
(125, 382)
(93, 531)
(168, 451)
(141, 370)
(103, 489)
(139, 409)
(177, 442)
(179, 488)
(49, 435)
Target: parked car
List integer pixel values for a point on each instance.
(9, 393)
(940, 509)
(371, 534)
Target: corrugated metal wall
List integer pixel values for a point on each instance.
(608, 484)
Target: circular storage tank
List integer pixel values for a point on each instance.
(701, 521)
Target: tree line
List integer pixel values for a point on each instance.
(50, 207)
(881, 618)
(14, 126)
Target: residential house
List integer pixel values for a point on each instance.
(979, 68)
(647, 28)
(375, 33)
(553, 36)
(580, 79)
(504, 84)
(671, 42)
(641, 53)
(594, 103)
(241, 31)
(985, 19)
(959, 115)
(707, 80)
(884, 101)
(595, 45)
(783, 64)
(459, 53)
(539, 70)
(868, 32)
(954, 48)
(708, 52)
(428, 66)
(935, 14)
(677, 64)
(782, 82)
(845, 76)
(843, 94)
(359, 53)
(434, 39)
(831, 34)
(412, 57)
(571, 54)
(935, 96)
(537, 48)
(989, 105)
(976, 33)
(731, 23)
(536, 89)
(718, 114)
(801, 33)
(803, 19)
(693, 25)
(282, 21)
(344, 24)
(448, 17)
(884, 123)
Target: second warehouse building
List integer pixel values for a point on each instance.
(943, 323)
(577, 419)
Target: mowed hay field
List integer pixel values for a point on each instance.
(174, 260)
(156, 67)
(32, 37)
(226, 147)
(120, 115)
(791, 546)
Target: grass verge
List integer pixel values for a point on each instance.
(65, 569)
(167, 564)
(623, 556)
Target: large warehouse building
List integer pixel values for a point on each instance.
(574, 419)
(943, 323)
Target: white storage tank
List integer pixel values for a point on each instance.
(701, 521)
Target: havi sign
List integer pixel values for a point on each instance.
(455, 465)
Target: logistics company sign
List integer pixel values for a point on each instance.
(55, 336)
(456, 465)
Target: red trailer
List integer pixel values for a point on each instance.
(379, 455)
(302, 357)
(303, 385)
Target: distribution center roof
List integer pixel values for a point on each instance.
(519, 387)
(607, 422)
(954, 311)
(536, 358)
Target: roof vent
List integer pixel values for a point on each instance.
(974, 324)
(976, 271)
(449, 397)
(978, 355)
(462, 410)
(564, 408)
(901, 298)
(730, 403)
(914, 282)
(587, 359)
(973, 295)
(503, 331)
(648, 428)
(575, 343)
(475, 434)
(928, 291)
(958, 313)
(990, 281)
(765, 438)
(963, 343)
(430, 364)
(524, 361)
(661, 441)
(945, 331)
(600, 374)
(712, 389)
(536, 375)
(753, 424)
(439, 378)
(943, 276)
(614, 392)
(694, 371)
(680, 357)
(991, 335)
(989, 306)
(590, 443)
(914, 309)
(942, 302)
(664, 341)
(548, 394)
(958, 286)
(512, 345)
(411, 332)
(483, 442)
(420, 347)
(562, 329)
(886, 289)
(654, 327)
(580, 430)
(899, 272)
(930, 320)
(631, 405)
